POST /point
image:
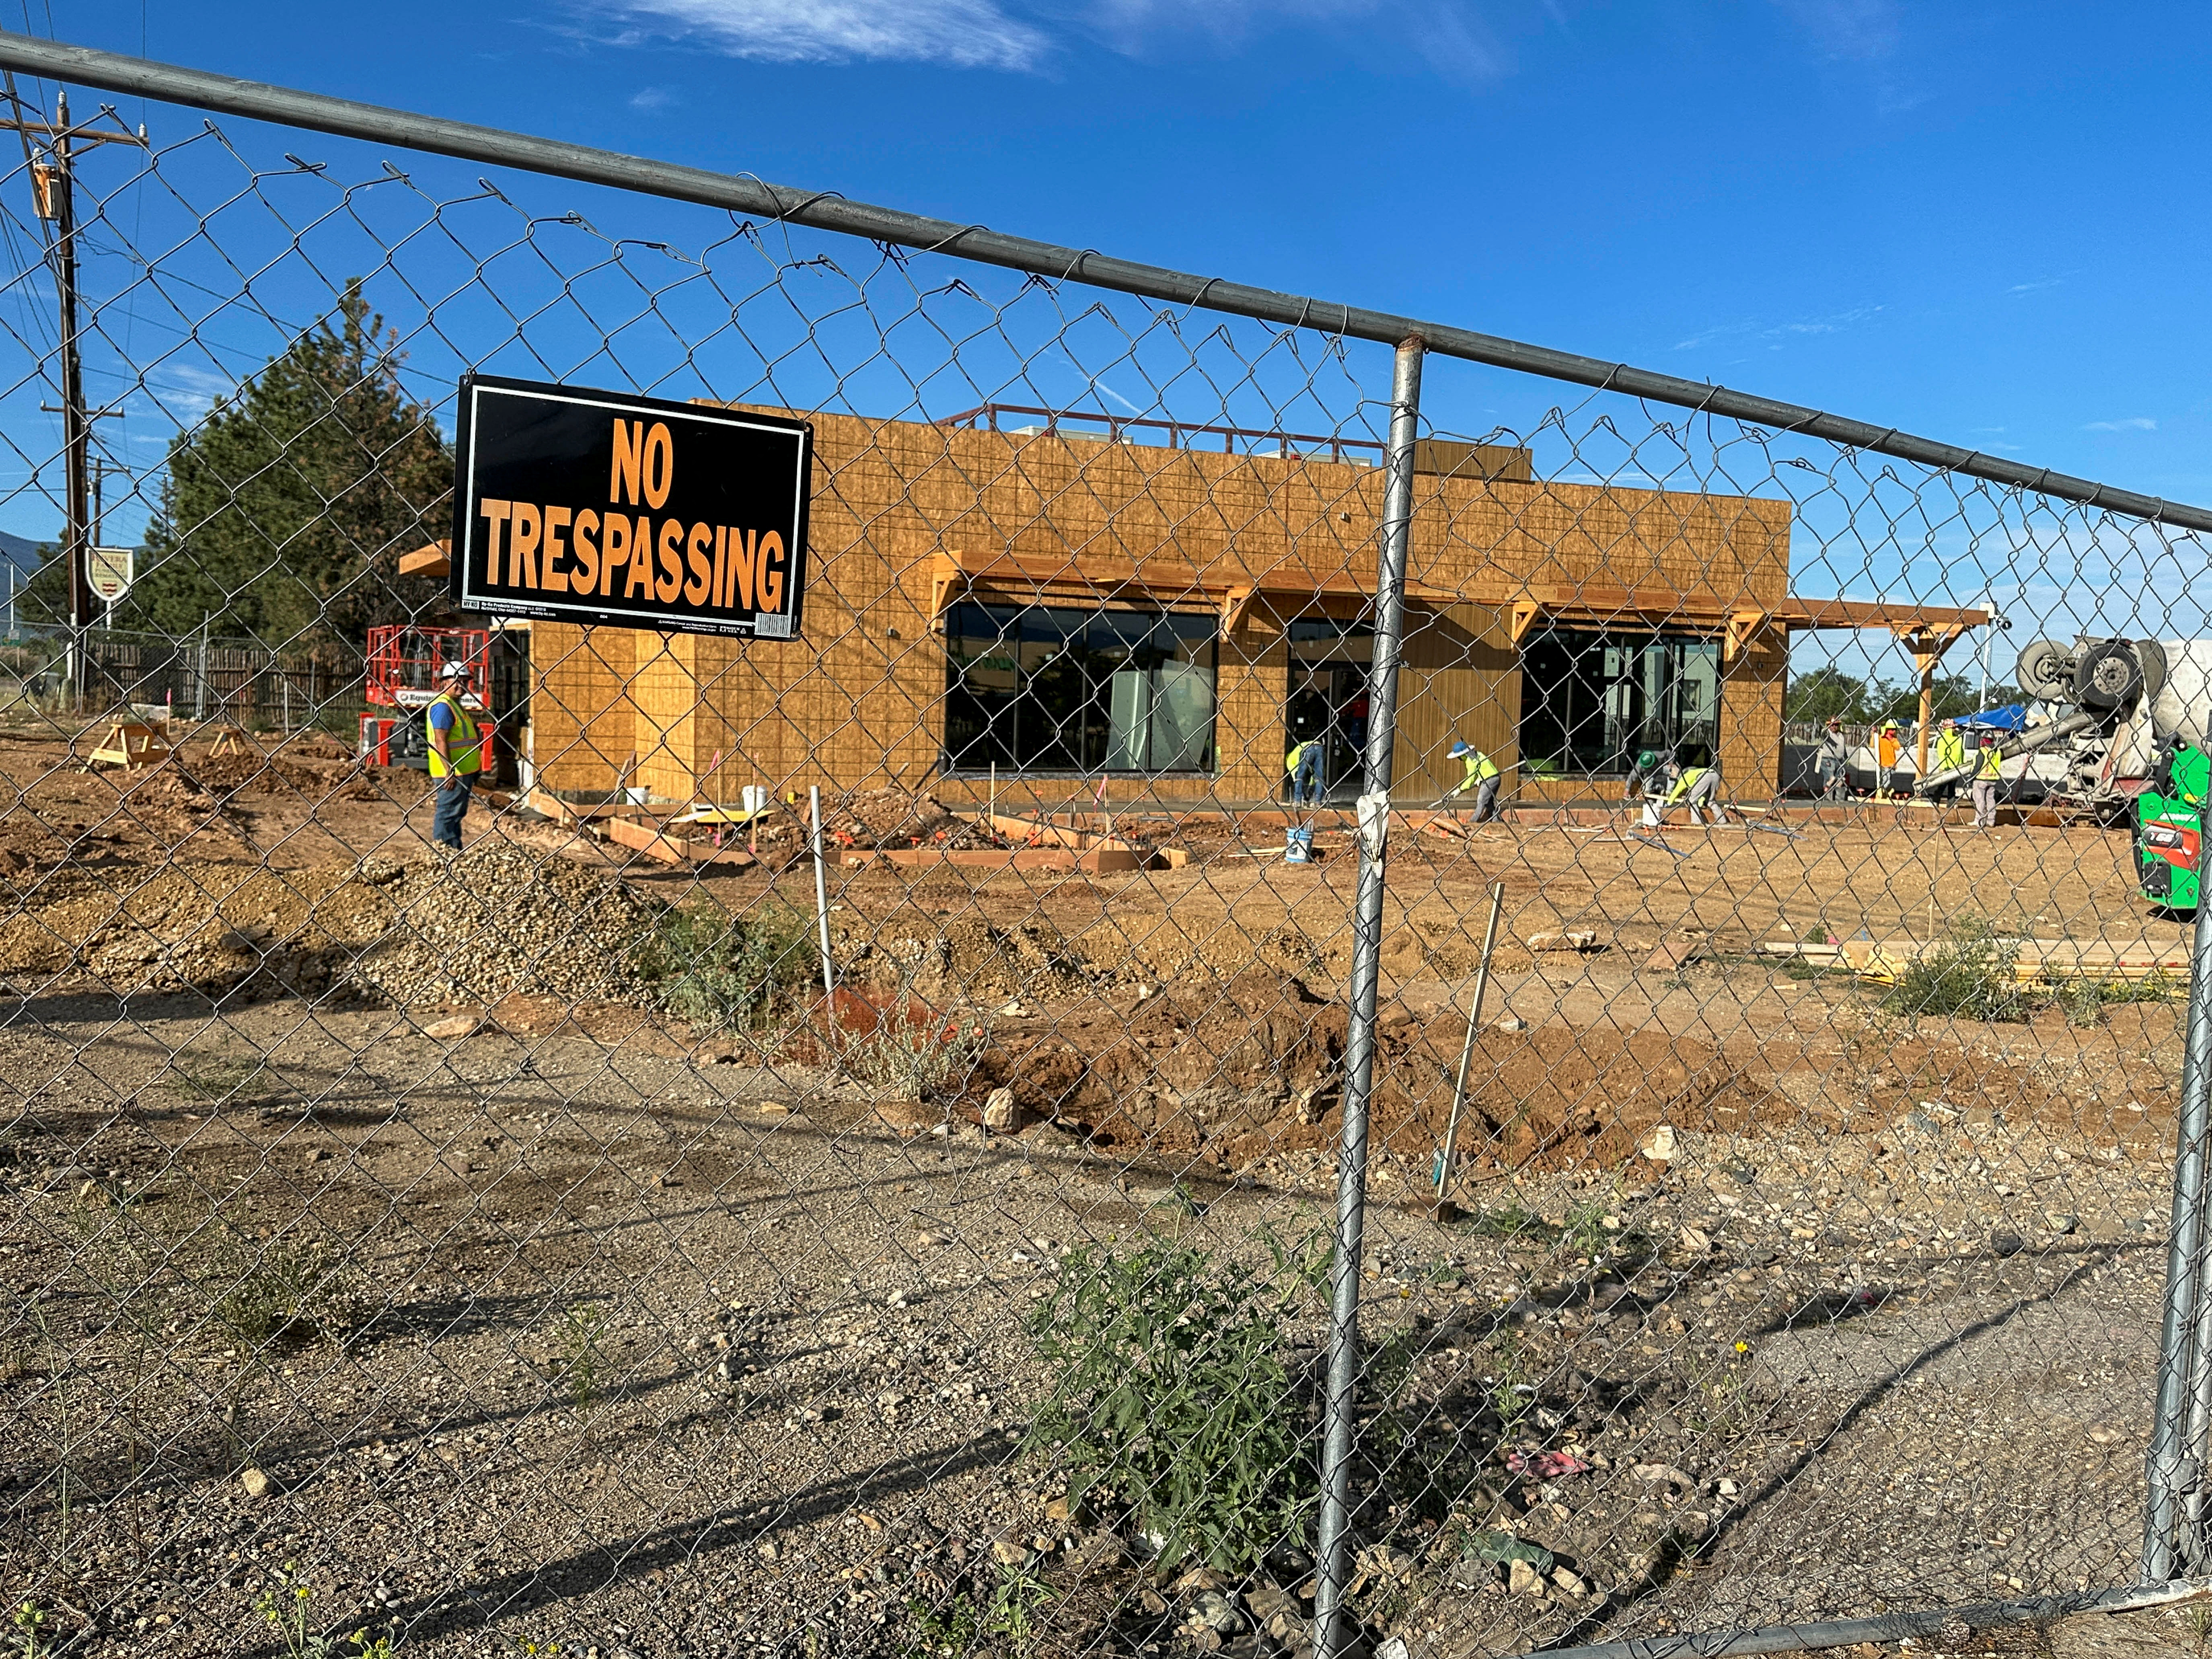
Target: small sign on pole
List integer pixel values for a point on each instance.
(110, 569)
(598, 506)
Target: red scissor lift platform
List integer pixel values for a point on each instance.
(404, 662)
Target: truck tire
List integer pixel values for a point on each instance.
(2046, 671)
(2109, 675)
(2152, 655)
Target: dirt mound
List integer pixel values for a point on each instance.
(1205, 1060)
(499, 920)
(969, 961)
(884, 818)
(297, 775)
(1560, 1096)
(192, 924)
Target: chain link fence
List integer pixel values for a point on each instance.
(1274, 1033)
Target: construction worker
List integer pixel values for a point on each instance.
(1303, 765)
(1833, 762)
(1481, 777)
(1643, 778)
(456, 754)
(1987, 775)
(1950, 756)
(1699, 788)
(1887, 750)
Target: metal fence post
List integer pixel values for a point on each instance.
(1341, 1401)
(2178, 1428)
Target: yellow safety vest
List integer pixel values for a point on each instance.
(1480, 766)
(1690, 774)
(463, 740)
(1298, 750)
(1985, 768)
(1950, 751)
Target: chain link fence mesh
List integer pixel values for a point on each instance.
(543, 1245)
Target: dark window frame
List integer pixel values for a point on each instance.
(1566, 664)
(1057, 715)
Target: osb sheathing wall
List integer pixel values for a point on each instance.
(857, 701)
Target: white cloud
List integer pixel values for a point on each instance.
(1862, 31)
(964, 33)
(649, 98)
(1774, 334)
(2133, 423)
(1450, 35)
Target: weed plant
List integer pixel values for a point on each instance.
(1004, 1621)
(910, 1054)
(2085, 1000)
(727, 973)
(1170, 1402)
(1969, 976)
(580, 1339)
(260, 1289)
(289, 1605)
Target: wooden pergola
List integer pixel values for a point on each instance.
(1925, 630)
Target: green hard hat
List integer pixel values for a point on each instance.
(1645, 760)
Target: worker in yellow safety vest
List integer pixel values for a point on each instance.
(1481, 777)
(1699, 788)
(1950, 756)
(456, 754)
(1988, 774)
(1303, 765)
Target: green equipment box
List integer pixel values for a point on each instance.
(2169, 825)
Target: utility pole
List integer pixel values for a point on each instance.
(53, 147)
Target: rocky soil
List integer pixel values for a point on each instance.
(371, 1216)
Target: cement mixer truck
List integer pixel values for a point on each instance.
(2131, 728)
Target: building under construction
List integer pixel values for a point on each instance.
(1067, 607)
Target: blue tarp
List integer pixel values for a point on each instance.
(2011, 717)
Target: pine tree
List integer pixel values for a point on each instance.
(283, 514)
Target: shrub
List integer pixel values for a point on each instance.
(261, 1289)
(722, 972)
(1169, 1401)
(1969, 975)
(906, 1050)
(2085, 1000)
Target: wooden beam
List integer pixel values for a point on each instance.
(946, 577)
(1742, 628)
(1525, 613)
(435, 559)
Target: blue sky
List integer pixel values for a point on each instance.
(1975, 221)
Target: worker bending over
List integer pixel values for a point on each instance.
(1302, 764)
(1699, 788)
(1481, 777)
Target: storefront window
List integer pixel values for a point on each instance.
(1591, 699)
(1039, 689)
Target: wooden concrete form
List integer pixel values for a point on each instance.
(909, 519)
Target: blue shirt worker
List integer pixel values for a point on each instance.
(1303, 765)
(456, 754)
(1481, 776)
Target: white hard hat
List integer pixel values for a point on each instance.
(453, 670)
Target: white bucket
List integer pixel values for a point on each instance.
(636, 796)
(753, 798)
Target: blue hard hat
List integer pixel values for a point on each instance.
(1460, 748)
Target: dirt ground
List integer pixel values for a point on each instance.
(598, 1326)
